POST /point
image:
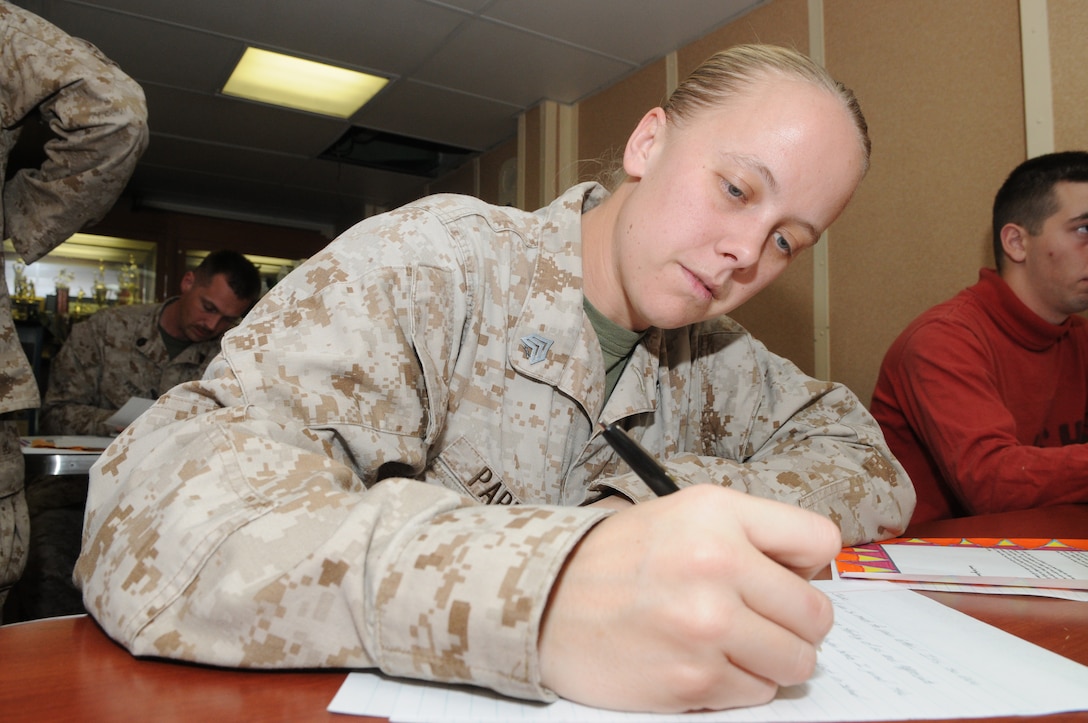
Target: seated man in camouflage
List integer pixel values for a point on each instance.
(144, 350)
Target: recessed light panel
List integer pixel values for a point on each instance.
(268, 77)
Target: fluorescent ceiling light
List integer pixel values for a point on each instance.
(269, 77)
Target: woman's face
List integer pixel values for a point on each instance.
(719, 204)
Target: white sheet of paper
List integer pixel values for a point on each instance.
(986, 565)
(893, 655)
(126, 415)
(1078, 595)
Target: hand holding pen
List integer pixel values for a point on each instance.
(689, 601)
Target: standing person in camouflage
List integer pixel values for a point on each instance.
(119, 353)
(396, 460)
(144, 350)
(99, 119)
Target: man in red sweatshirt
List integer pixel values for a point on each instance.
(984, 398)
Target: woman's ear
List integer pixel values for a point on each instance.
(642, 141)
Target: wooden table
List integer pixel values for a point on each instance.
(67, 669)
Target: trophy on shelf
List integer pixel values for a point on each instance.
(100, 285)
(62, 283)
(128, 282)
(24, 302)
(80, 306)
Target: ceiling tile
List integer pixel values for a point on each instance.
(635, 32)
(512, 66)
(152, 52)
(393, 36)
(441, 115)
(221, 120)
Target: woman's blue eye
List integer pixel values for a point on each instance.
(783, 244)
(734, 191)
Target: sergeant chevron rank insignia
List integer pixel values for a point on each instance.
(536, 347)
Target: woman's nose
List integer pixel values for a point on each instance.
(742, 246)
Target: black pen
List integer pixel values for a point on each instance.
(638, 459)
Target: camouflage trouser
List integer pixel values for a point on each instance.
(14, 521)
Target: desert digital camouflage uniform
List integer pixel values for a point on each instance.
(114, 355)
(99, 118)
(385, 465)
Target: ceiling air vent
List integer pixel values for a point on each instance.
(399, 154)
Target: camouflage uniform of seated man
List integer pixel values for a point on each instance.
(143, 351)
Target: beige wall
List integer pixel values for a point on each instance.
(941, 84)
(606, 119)
(1067, 27)
(531, 138)
(491, 167)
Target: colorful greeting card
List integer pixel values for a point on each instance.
(1026, 562)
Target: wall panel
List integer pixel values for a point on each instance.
(491, 170)
(941, 86)
(533, 159)
(1068, 27)
(606, 119)
(782, 22)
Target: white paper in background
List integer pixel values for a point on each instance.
(892, 655)
(126, 415)
(974, 564)
(1076, 595)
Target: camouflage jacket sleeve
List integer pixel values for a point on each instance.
(299, 506)
(303, 565)
(743, 417)
(98, 115)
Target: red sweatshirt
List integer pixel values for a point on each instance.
(985, 404)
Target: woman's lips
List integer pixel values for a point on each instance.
(707, 287)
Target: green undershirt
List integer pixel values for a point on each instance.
(174, 346)
(617, 344)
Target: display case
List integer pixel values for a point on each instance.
(77, 278)
(80, 276)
